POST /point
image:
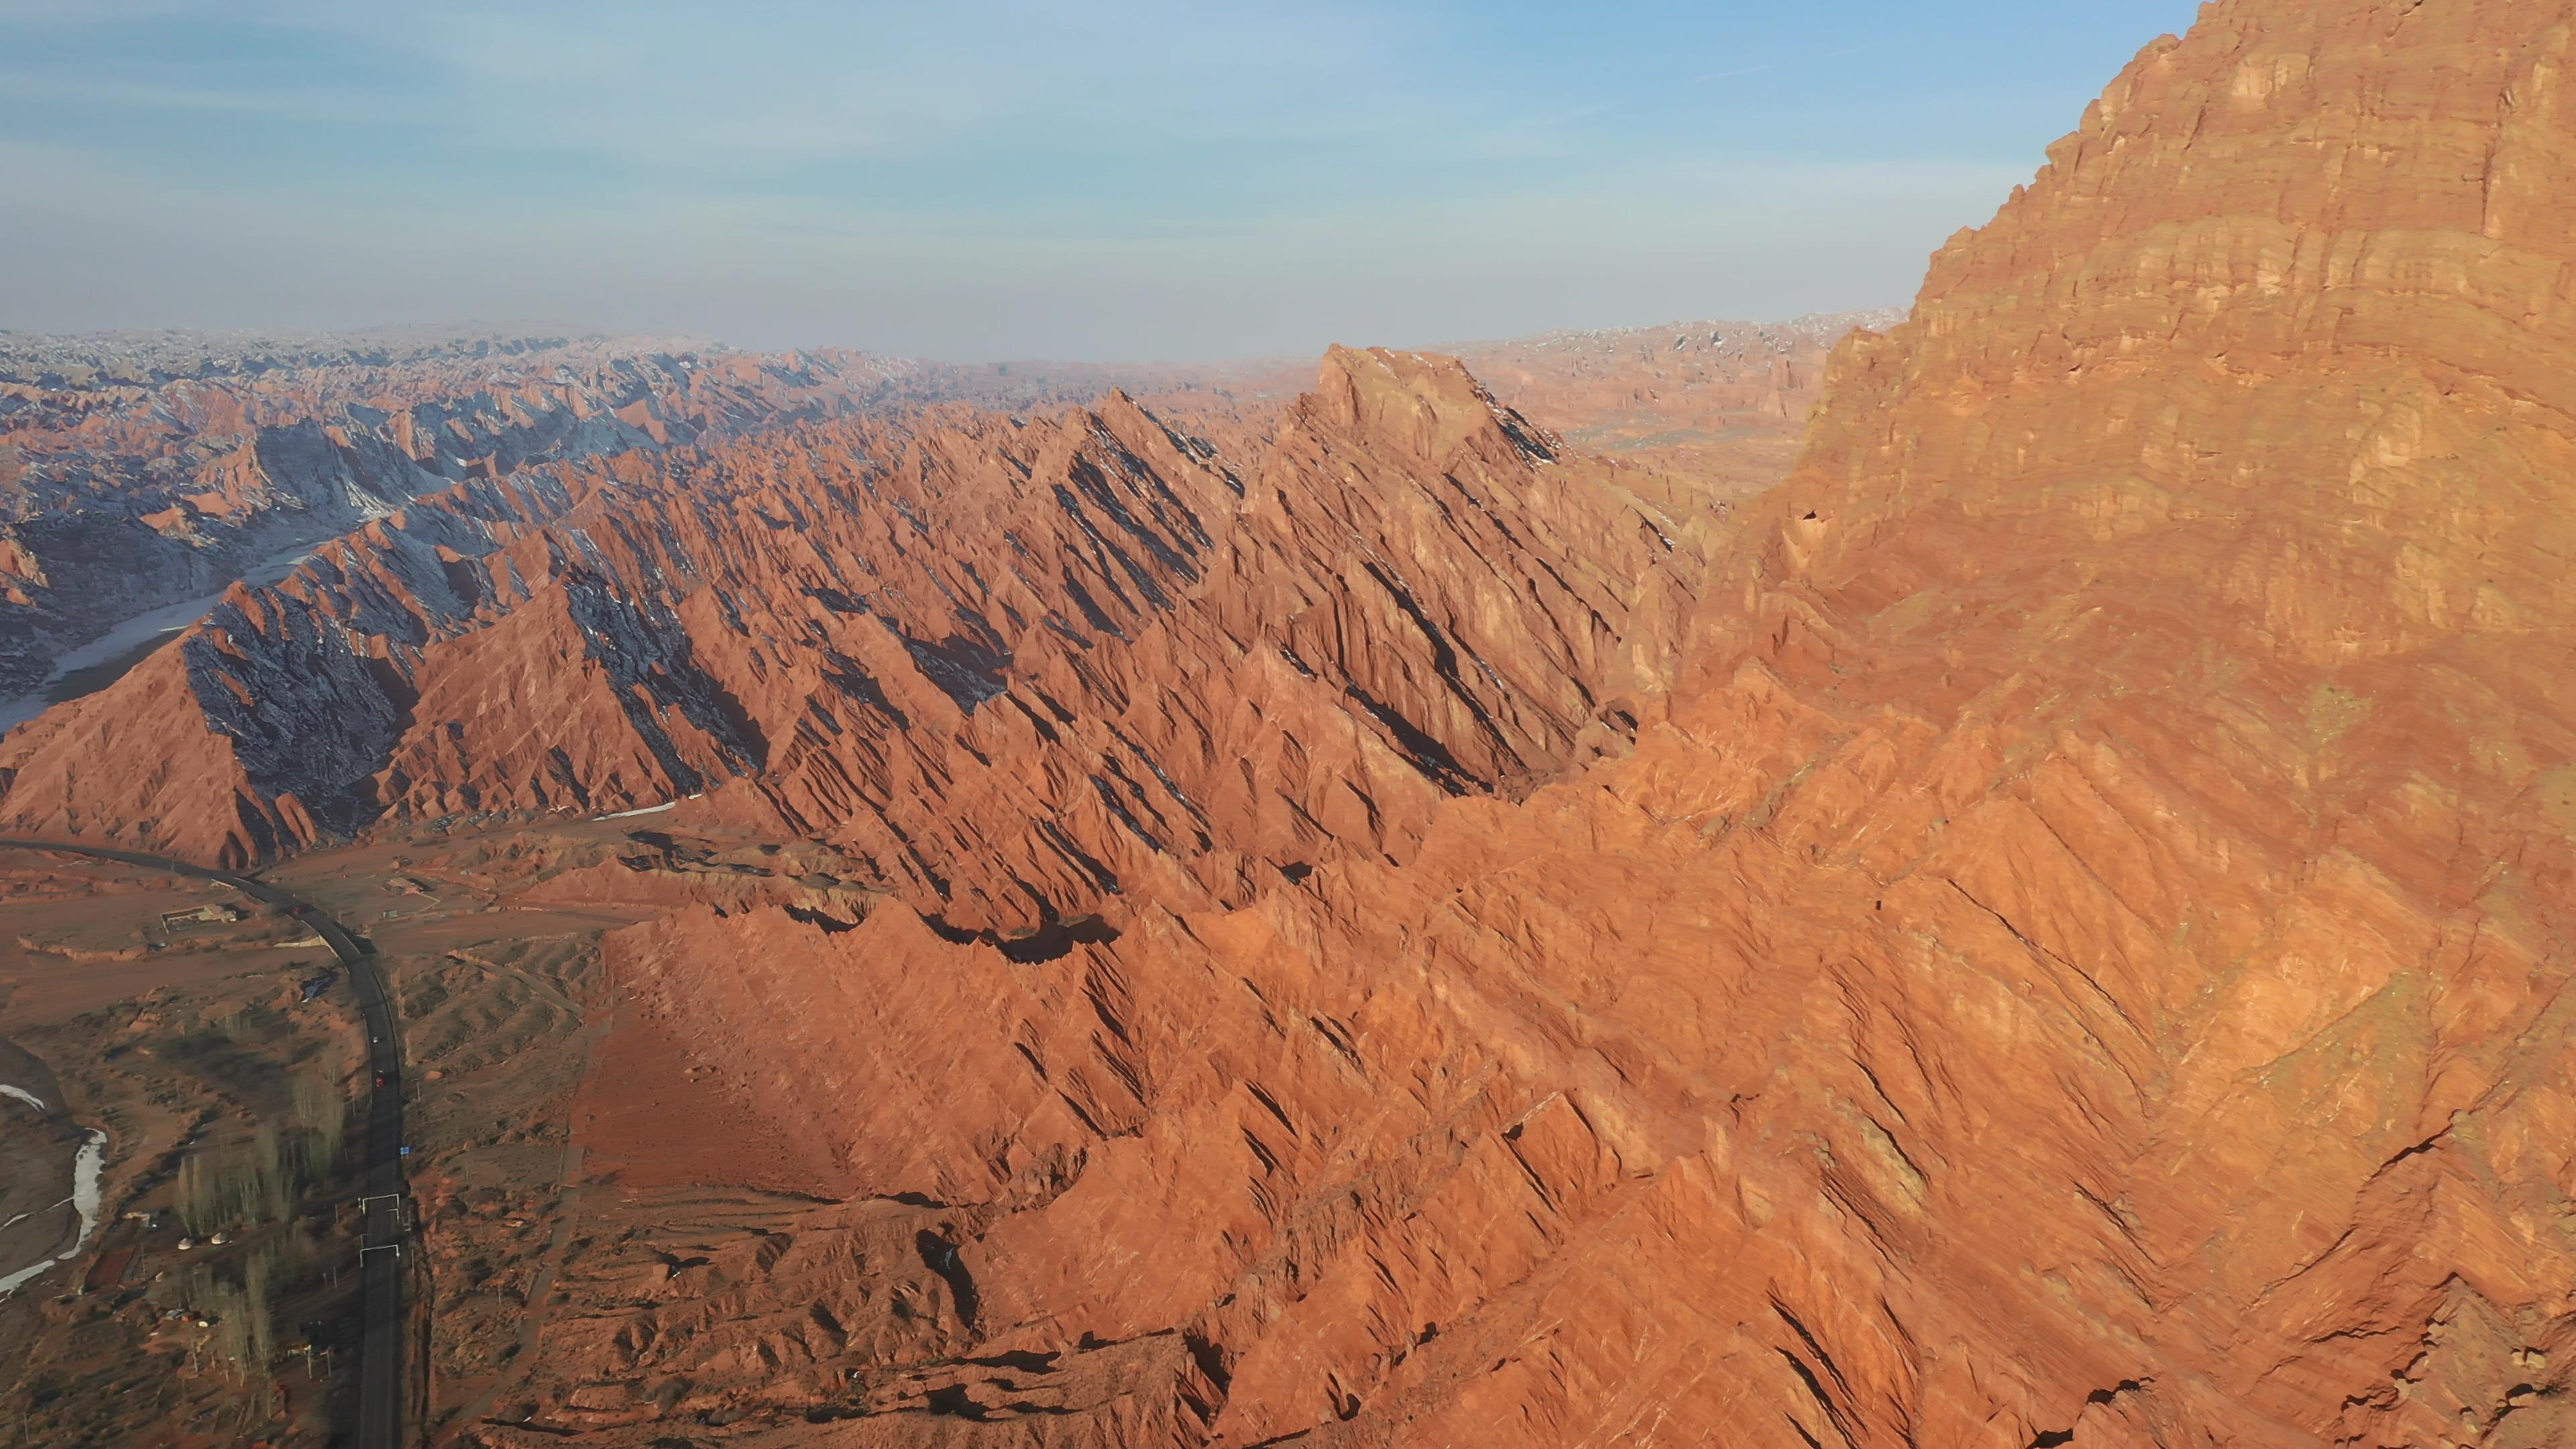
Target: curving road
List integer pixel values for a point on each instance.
(380, 1345)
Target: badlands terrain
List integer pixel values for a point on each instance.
(1422, 905)
(981, 659)
(141, 473)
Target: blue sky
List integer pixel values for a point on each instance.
(1017, 178)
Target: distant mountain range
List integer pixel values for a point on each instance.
(140, 469)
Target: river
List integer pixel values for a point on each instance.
(104, 660)
(87, 1165)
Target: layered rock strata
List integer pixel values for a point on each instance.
(1020, 666)
(2080, 957)
(138, 470)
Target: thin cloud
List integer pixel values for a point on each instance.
(995, 178)
(1772, 65)
(147, 95)
(729, 89)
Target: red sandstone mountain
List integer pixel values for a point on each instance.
(1018, 667)
(137, 470)
(2050, 929)
(2082, 958)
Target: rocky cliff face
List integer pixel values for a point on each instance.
(2071, 947)
(138, 470)
(1020, 667)
(138, 490)
(2081, 957)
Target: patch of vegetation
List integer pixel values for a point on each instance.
(240, 1300)
(264, 1180)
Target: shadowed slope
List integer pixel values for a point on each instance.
(1019, 666)
(2083, 957)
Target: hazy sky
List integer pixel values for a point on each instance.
(1119, 179)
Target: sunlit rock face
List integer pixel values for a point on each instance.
(1021, 667)
(2053, 928)
(139, 470)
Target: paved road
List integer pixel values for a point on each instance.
(380, 1350)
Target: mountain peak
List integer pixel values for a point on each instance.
(1426, 404)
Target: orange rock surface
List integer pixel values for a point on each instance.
(1019, 667)
(226, 449)
(2052, 928)
(2082, 956)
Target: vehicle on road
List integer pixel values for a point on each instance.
(380, 1339)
